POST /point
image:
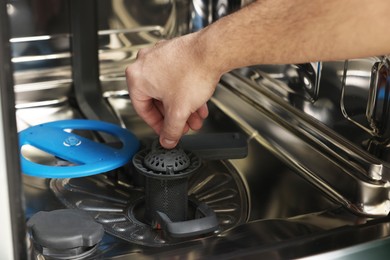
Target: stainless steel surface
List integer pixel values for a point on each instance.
(345, 172)
(42, 54)
(7, 247)
(13, 232)
(120, 205)
(376, 113)
(204, 12)
(269, 186)
(314, 178)
(349, 97)
(201, 14)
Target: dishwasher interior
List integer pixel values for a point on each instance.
(314, 178)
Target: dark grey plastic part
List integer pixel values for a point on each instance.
(85, 64)
(216, 146)
(64, 229)
(167, 196)
(166, 183)
(166, 161)
(145, 165)
(199, 226)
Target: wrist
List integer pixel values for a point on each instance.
(209, 52)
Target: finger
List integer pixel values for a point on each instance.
(160, 107)
(174, 125)
(203, 111)
(149, 112)
(186, 129)
(195, 122)
(143, 104)
(142, 52)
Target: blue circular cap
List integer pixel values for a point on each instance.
(89, 157)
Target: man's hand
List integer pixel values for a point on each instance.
(169, 85)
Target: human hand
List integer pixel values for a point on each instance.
(169, 85)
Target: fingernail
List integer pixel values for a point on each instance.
(168, 143)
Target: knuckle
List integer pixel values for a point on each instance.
(128, 71)
(177, 117)
(141, 53)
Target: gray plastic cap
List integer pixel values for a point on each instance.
(64, 229)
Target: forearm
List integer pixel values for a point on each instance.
(170, 83)
(285, 31)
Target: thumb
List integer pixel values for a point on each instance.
(174, 123)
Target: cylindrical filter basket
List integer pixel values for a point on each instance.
(166, 184)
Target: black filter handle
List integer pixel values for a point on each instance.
(199, 226)
(216, 146)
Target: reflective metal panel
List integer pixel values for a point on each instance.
(345, 172)
(301, 145)
(13, 235)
